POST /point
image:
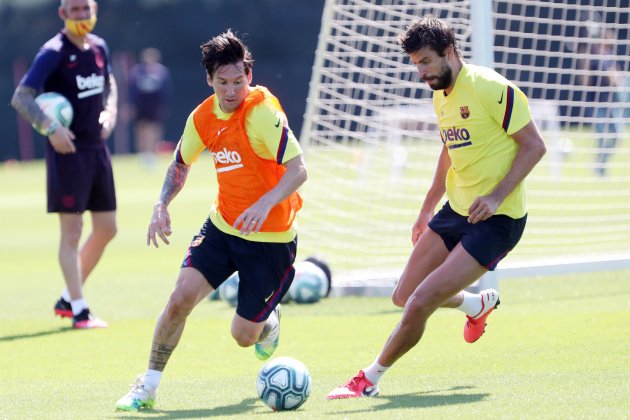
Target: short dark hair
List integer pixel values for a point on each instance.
(428, 32)
(223, 49)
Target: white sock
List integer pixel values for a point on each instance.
(152, 378)
(273, 319)
(270, 324)
(374, 372)
(78, 305)
(66, 295)
(471, 305)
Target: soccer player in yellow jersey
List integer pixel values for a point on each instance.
(250, 228)
(490, 144)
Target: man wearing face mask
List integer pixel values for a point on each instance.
(76, 64)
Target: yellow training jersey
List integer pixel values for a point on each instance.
(476, 122)
(270, 138)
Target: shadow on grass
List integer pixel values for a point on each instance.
(244, 406)
(394, 310)
(16, 337)
(248, 405)
(451, 396)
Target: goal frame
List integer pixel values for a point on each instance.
(382, 281)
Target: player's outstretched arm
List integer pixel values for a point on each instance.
(160, 224)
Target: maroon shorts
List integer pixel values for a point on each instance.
(80, 181)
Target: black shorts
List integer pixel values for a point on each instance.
(80, 181)
(265, 269)
(488, 242)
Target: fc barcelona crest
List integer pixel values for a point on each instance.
(464, 112)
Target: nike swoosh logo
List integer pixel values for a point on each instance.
(501, 100)
(269, 297)
(278, 123)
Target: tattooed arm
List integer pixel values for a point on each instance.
(24, 103)
(161, 221)
(108, 116)
(60, 138)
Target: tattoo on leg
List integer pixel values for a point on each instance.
(160, 353)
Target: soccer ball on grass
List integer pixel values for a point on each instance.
(284, 383)
(309, 284)
(323, 264)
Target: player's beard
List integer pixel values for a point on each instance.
(444, 79)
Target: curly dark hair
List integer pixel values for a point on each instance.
(223, 49)
(428, 32)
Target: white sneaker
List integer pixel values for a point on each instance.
(140, 396)
(269, 337)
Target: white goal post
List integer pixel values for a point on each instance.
(371, 140)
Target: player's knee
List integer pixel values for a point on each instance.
(244, 338)
(419, 307)
(179, 305)
(110, 232)
(106, 233)
(399, 300)
(71, 237)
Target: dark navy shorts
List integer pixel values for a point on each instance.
(80, 181)
(488, 241)
(265, 269)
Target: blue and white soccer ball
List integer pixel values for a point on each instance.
(228, 291)
(284, 383)
(56, 107)
(310, 283)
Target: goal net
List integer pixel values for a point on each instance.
(371, 138)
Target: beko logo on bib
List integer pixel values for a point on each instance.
(89, 86)
(227, 157)
(455, 137)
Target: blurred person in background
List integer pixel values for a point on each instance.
(149, 92)
(76, 64)
(605, 81)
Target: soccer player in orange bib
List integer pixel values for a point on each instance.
(250, 228)
(490, 144)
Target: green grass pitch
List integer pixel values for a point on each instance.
(556, 348)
